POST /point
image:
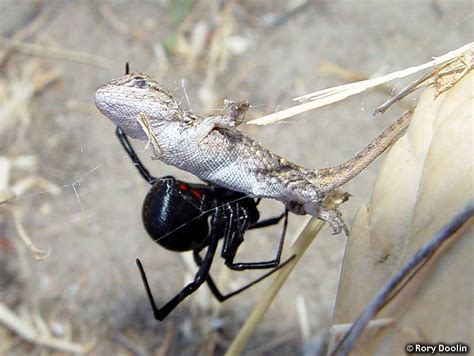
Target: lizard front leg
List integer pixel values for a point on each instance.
(237, 110)
(144, 122)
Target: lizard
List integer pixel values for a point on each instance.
(213, 149)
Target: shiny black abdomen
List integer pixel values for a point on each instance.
(173, 217)
(176, 214)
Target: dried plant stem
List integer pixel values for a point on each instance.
(19, 91)
(335, 94)
(167, 341)
(307, 235)
(60, 53)
(38, 253)
(26, 31)
(115, 21)
(29, 333)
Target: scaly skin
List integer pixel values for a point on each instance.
(214, 150)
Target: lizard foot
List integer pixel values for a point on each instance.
(237, 110)
(334, 219)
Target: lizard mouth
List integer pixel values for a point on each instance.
(119, 113)
(106, 103)
(101, 100)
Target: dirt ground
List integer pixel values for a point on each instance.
(86, 206)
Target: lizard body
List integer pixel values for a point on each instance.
(214, 150)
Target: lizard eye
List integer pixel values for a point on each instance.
(140, 83)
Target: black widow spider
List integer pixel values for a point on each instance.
(183, 216)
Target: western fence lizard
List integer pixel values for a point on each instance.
(214, 150)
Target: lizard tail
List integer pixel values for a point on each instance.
(334, 177)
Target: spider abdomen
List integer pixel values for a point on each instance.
(174, 215)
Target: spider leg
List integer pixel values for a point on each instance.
(234, 230)
(200, 277)
(239, 266)
(134, 157)
(267, 222)
(222, 297)
(229, 242)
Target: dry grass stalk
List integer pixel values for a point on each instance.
(26, 31)
(9, 194)
(335, 94)
(59, 53)
(443, 77)
(27, 332)
(17, 92)
(167, 341)
(218, 54)
(38, 253)
(136, 34)
(307, 235)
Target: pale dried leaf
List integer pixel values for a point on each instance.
(426, 179)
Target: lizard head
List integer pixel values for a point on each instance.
(123, 100)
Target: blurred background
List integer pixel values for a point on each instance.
(70, 213)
